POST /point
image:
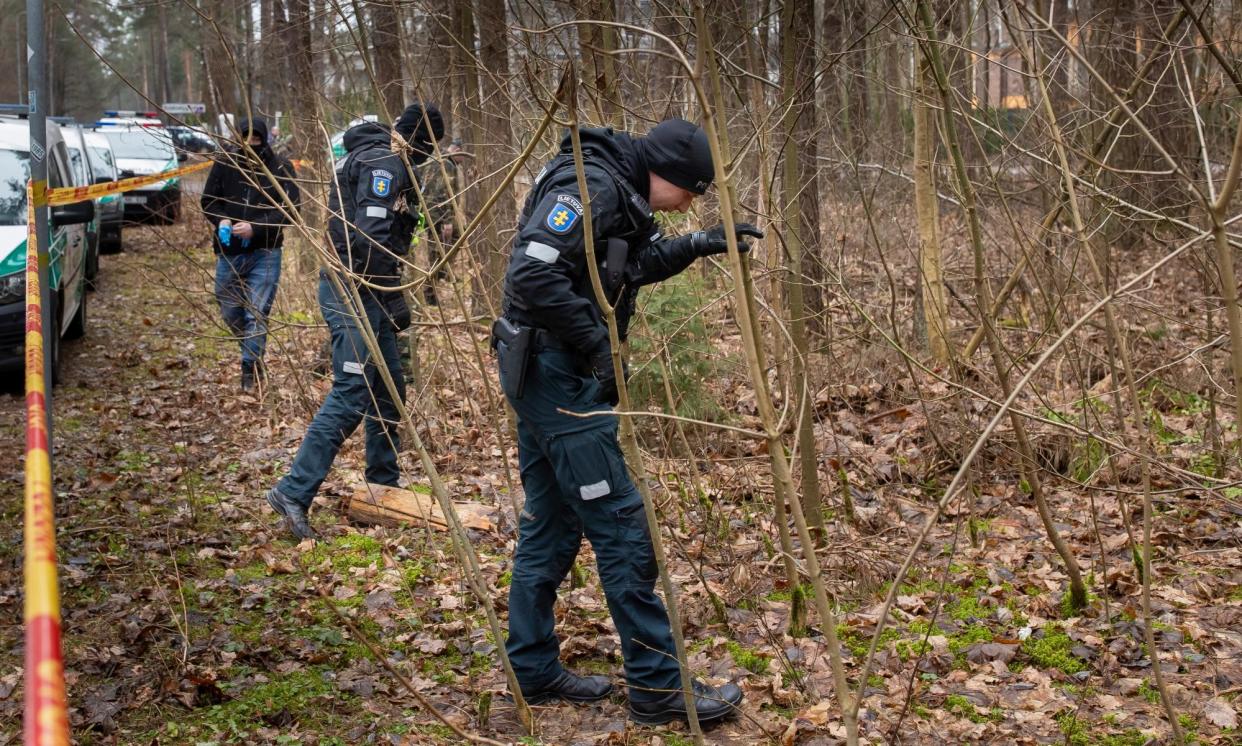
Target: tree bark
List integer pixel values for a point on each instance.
(801, 230)
(218, 57)
(927, 209)
(496, 149)
(802, 167)
(599, 67)
(386, 52)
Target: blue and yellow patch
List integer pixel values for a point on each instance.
(381, 186)
(561, 218)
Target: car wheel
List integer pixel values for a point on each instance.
(92, 262)
(55, 340)
(77, 327)
(112, 245)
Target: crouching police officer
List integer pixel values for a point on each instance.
(554, 354)
(373, 216)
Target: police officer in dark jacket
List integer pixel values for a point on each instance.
(374, 212)
(554, 354)
(249, 214)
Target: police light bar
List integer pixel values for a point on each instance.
(63, 120)
(131, 113)
(21, 110)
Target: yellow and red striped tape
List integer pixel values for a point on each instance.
(47, 717)
(69, 195)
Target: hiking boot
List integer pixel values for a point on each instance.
(571, 688)
(294, 515)
(253, 376)
(710, 702)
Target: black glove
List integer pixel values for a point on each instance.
(601, 368)
(712, 241)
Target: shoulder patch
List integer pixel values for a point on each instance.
(381, 183)
(570, 200)
(562, 218)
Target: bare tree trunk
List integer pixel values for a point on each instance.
(598, 65)
(666, 83)
(218, 56)
(162, 65)
(386, 51)
(935, 310)
(497, 147)
(768, 157)
(304, 122)
(471, 108)
(797, 41)
(801, 230)
(1164, 112)
(436, 75)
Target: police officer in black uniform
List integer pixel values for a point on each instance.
(374, 212)
(554, 354)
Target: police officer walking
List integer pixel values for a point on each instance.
(554, 354)
(245, 206)
(374, 212)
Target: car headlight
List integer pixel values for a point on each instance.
(12, 288)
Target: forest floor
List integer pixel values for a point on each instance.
(190, 617)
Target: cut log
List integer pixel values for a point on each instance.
(393, 506)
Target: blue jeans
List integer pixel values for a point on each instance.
(358, 392)
(577, 485)
(245, 289)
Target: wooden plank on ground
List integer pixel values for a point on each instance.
(393, 506)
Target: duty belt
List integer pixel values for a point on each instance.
(542, 338)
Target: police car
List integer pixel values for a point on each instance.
(83, 175)
(67, 245)
(111, 207)
(130, 119)
(143, 149)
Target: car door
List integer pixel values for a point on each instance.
(68, 249)
(83, 175)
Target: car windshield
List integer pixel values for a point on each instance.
(79, 167)
(141, 144)
(14, 173)
(101, 159)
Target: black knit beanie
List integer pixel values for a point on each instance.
(413, 127)
(678, 152)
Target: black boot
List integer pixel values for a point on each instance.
(710, 702)
(294, 515)
(571, 688)
(253, 375)
(249, 377)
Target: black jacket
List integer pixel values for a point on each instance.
(371, 221)
(547, 284)
(238, 189)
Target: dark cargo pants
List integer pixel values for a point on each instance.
(577, 484)
(357, 392)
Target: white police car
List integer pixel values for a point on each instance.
(111, 207)
(83, 174)
(67, 245)
(143, 150)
